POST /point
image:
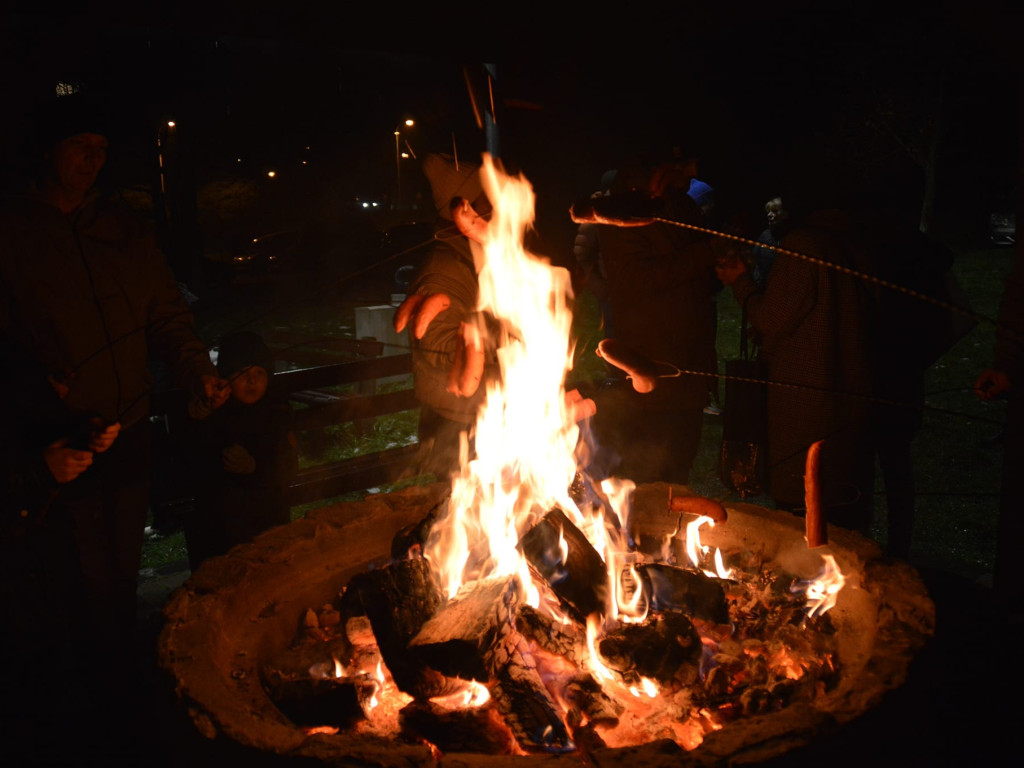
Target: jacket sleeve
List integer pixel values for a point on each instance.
(788, 298)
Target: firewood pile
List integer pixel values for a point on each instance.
(390, 655)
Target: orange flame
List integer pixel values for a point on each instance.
(823, 591)
(525, 431)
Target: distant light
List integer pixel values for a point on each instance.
(305, 162)
(238, 159)
(366, 205)
(410, 122)
(170, 123)
(271, 174)
(405, 155)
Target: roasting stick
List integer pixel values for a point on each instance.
(590, 216)
(814, 519)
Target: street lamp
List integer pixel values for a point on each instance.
(409, 123)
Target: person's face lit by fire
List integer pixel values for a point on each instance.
(76, 163)
(469, 222)
(776, 212)
(249, 385)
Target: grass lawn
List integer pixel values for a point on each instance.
(957, 460)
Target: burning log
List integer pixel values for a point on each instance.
(474, 637)
(527, 707)
(398, 599)
(560, 552)
(463, 639)
(304, 679)
(671, 588)
(589, 703)
(317, 701)
(478, 730)
(666, 647)
(410, 540)
(542, 630)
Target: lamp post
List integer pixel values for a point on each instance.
(409, 123)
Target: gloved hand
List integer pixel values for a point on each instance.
(237, 460)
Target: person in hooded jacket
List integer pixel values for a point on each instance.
(442, 318)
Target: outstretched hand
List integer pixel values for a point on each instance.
(468, 369)
(421, 309)
(418, 312)
(991, 384)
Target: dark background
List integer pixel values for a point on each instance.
(928, 96)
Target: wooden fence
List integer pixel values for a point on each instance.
(321, 400)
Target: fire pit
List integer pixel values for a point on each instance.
(530, 611)
(233, 618)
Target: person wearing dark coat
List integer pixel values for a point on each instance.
(448, 411)
(85, 291)
(240, 457)
(1003, 380)
(813, 322)
(661, 282)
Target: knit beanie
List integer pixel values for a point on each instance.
(241, 349)
(62, 117)
(449, 180)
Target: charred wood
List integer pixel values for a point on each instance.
(465, 637)
(666, 647)
(315, 701)
(529, 711)
(588, 703)
(559, 551)
(480, 730)
(409, 541)
(398, 599)
(542, 630)
(675, 589)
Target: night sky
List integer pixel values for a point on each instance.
(742, 87)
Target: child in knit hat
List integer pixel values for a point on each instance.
(242, 455)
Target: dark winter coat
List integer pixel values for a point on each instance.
(91, 296)
(232, 508)
(814, 324)
(448, 269)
